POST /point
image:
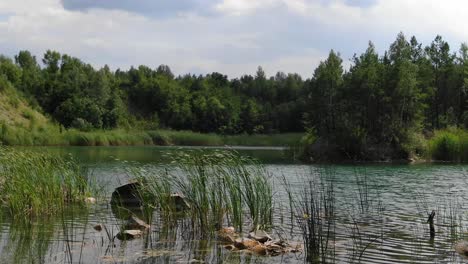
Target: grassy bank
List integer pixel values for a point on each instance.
(54, 136)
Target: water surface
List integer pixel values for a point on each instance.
(389, 216)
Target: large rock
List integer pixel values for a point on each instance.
(136, 223)
(129, 234)
(128, 195)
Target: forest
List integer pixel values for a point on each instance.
(383, 105)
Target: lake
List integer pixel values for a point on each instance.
(381, 213)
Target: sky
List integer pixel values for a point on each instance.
(233, 37)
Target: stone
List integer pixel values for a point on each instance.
(180, 202)
(260, 235)
(90, 200)
(259, 249)
(98, 227)
(227, 234)
(462, 248)
(228, 230)
(134, 222)
(230, 247)
(129, 234)
(245, 243)
(128, 195)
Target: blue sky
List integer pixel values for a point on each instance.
(229, 36)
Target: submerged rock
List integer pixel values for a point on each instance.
(134, 222)
(98, 227)
(260, 235)
(128, 195)
(129, 234)
(462, 248)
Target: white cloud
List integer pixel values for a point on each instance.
(414, 16)
(287, 35)
(244, 7)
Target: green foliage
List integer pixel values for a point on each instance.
(449, 145)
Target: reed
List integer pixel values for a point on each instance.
(314, 211)
(37, 184)
(220, 187)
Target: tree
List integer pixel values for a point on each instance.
(326, 84)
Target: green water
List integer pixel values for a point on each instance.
(391, 221)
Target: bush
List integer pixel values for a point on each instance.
(449, 145)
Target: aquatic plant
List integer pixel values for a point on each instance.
(35, 184)
(314, 211)
(218, 186)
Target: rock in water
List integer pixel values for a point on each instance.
(90, 200)
(245, 243)
(227, 234)
(128, 195)
(260, 235)
(462, 248)
(98, 227)
(259, 249)
(179, 202)
(129, 234)
(136, 223)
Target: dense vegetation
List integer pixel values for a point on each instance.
(36, 184)
(382, 107)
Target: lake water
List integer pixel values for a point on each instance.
(381, 213)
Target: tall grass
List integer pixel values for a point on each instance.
(37, 184)
(449, 145)
(220, 187)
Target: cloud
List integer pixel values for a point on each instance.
(229, 36)
(151, 8)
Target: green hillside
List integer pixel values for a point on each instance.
(20, 123)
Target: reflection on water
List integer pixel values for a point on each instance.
(380, 218)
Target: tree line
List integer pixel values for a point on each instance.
(381, 98)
